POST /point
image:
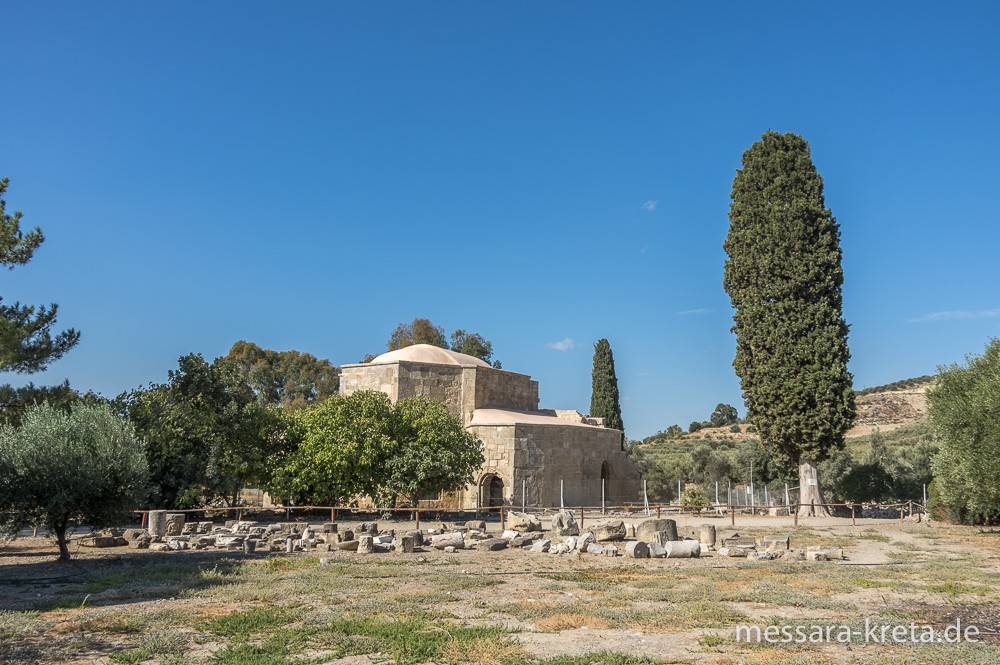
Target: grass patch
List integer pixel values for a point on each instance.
(255, 621)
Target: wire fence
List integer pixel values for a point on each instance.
(502, 513)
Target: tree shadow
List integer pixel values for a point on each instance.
(30, 580)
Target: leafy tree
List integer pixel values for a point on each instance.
(963, 407)
(27, 343)
(694, 498)
(207, 433)
(723, 415)
(434, 453)
(363, 445)
(784, 279)
(695, 426)
(472, 344)
(604, 401)
(674, 432)
(866, 483)
(289, 379)
(419, 331)
(14, 402)
(58, 468)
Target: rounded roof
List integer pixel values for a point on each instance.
(429, 354)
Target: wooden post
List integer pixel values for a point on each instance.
(796, 517)
(853, 521)
(900, 513)
(416, 515)
(909, 512)
(239, 514)
(503, 522)
(732, 516)
(145, 519)
(657, 511)
(581, 519)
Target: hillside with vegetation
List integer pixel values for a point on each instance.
(886, 454)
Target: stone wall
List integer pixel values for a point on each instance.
(497, 389)
(499, 453)
(575, 455)
(378, 378)
(442, 383)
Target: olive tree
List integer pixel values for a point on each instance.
(963, 407)
(58, 468)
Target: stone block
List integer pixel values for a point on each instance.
(406, 544)
(348, 546)
(776, 542)
(478, 525)
(706, 536)
(660, 530)
(157, 523)
(637, 549)
(657, 551)
(365, 544)
(492, 545)
(175, 524)
(453, 539)
(610, 531)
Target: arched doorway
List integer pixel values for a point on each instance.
(605, 483)
(491, 491)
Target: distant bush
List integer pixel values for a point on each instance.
(898, 385)
(735, 429)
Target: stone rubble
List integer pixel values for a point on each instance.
(652, 538)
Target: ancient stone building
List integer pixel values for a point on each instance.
(526, 448)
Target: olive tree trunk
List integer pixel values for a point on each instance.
(60, 534)
(810, 497)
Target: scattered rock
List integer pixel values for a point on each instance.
(541, 545)
(478, 525)
(348, 546)
(564, 524)
(657, 551)
(594, 548)
(637, 549)
(523, 522)
(365, 544)
(492, 545)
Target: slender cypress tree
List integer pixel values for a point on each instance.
(784, 279)
(604, 402)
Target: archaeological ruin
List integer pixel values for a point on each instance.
(540, 456)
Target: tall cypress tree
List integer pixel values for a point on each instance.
(604, 402)
(784, 279)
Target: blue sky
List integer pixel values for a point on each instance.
(309, 175)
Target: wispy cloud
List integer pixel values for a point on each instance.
(958, 315)
(700, 310)
(565, 344)
(649, 206)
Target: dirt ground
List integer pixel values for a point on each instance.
(109, 604)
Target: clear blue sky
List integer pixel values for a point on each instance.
(307, 175)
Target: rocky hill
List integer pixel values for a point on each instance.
(891, 409)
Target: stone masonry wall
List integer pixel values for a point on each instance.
(496, 389)
(442, 383)
(379, 378)
(575, 455)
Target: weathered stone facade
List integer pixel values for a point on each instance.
(525, 448)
